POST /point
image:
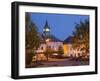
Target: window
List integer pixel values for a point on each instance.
(41, 48)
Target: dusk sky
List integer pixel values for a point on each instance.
(62, 25)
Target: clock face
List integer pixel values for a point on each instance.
(47, 30)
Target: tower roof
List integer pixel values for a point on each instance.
(47, 34)
(46, 25)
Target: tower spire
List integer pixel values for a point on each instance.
(46, 25)
(46, 29)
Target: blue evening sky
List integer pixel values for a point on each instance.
(62, 25)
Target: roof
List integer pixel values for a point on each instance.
(55, 39)
(68, 40)
(51, 37)
(46, 25)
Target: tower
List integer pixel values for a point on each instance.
(46, 30)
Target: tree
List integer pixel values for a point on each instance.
(48, 52)
(81, 35)
(32, 40)
(28, 56)
(32, 35)
(60, 50)
(27, 21)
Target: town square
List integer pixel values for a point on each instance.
(54, 40)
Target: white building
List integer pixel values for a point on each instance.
(47, 39)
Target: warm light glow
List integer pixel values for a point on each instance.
(47, 29)
(55, 54)
(65, 47)
(47, 40)
(55, 48)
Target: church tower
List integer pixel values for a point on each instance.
(46, 30)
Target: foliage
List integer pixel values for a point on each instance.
(28, 57)
(27, 21)
(81, 35)
(32, 35)
(48, 52)
(60, 50)
(32, 38)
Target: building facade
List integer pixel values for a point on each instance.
(48, 40)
